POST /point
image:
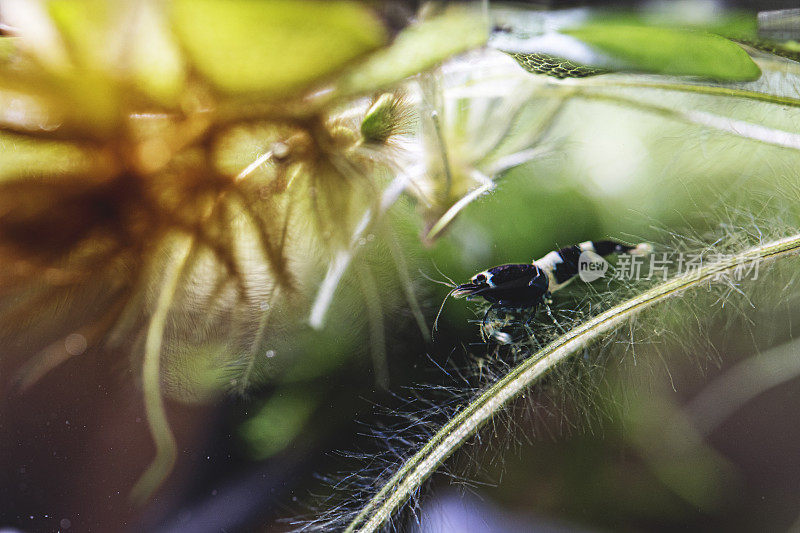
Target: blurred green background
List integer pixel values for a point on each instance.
(634, 444)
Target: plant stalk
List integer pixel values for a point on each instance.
(419, 467)
(166, 451)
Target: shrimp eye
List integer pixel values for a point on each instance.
(480, 278)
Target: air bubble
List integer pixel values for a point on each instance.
(280, 150)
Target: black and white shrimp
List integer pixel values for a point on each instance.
(526, 286)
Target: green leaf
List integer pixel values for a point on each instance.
(85, 27)
(156, 63)
(732, 24)
(670, 51)
(128, 42)
(416, 49)
(556, 67)
(273, 47)
(83, 105)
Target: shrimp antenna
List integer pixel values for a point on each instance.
(452, 283)
(438, 281)
(438, 314)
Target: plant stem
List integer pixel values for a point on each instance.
(730, 92)
(371, 294)
(419, 467)
(739, 128)
(151, 376)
